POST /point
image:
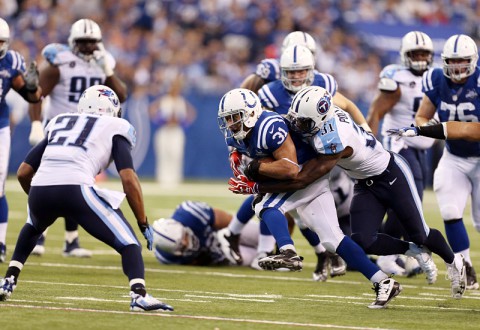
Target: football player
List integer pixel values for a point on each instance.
(400, 93)
(257, 134)
(452, 92)
(58, 175)
(383, 181)
(12, 65)
(66, 72)
(189, 236)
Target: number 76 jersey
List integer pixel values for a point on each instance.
(79, 147)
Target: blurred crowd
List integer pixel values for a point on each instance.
(214, 44)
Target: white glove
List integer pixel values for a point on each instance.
(403, 132)
(100, 57)
(36, 133)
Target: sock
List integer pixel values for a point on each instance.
(277, 225)
(137, 285)
(235, 226)
(311, 236)
(355, 257)
(71, 235)
(266, 243)
(457, 235)
(3, 218)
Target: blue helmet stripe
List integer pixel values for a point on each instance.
(295, 54)
(456, 44)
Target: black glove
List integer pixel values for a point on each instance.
(251, 171)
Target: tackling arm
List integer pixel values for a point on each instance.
(311, 171)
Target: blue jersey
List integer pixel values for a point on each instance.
(455, 102)
(268, 135)
(276, 97)
(199, 217)
(11, 65)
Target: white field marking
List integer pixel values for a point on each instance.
(124, 301)
(231, 298)
(220, 274)
(195, 317)
(41, 302)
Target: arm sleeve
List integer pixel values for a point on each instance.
(121, 153)
(35, 154)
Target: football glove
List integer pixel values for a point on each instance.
(31, 77)
(100, 57)
(242, 185)
(147, 233)
(403, 132)
(235, 163)
(36, 133)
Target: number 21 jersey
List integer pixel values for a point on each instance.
(79, 147)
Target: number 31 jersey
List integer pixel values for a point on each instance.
(79, 147)
(76, 75)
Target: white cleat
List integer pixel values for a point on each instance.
(457, 275)
(424, 258)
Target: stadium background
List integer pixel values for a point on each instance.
(214, 44)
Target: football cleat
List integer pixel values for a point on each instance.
(73, 249)
(424, 258)
(3, 252)
(472, 283)
(338, 267)
(388, 264)
(321, 270)
(229, 244)
(457, 275)
(148, 303)
(286, 259)
(385, 290)
(7, 285)
(39, 249)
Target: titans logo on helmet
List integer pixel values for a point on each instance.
(324, 104)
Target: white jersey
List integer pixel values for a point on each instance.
(76, 75)
(79, 147)
(403, 113)
(369, 158)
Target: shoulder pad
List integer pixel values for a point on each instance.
(390, 70)
(16, 60)
(50, 52)
(268, 69)
(387, 85)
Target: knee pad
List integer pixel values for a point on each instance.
(450, 211)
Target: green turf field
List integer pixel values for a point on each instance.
(62, 293)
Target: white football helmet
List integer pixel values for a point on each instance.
(414, 41)
(5, 37)
(84, 29)
(459, 46)
(296, 58)
(173, 237)
(238, 111)
(310, 108)
(299, 38)
(99, 100)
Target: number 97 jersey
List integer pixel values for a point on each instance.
(79, 147)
